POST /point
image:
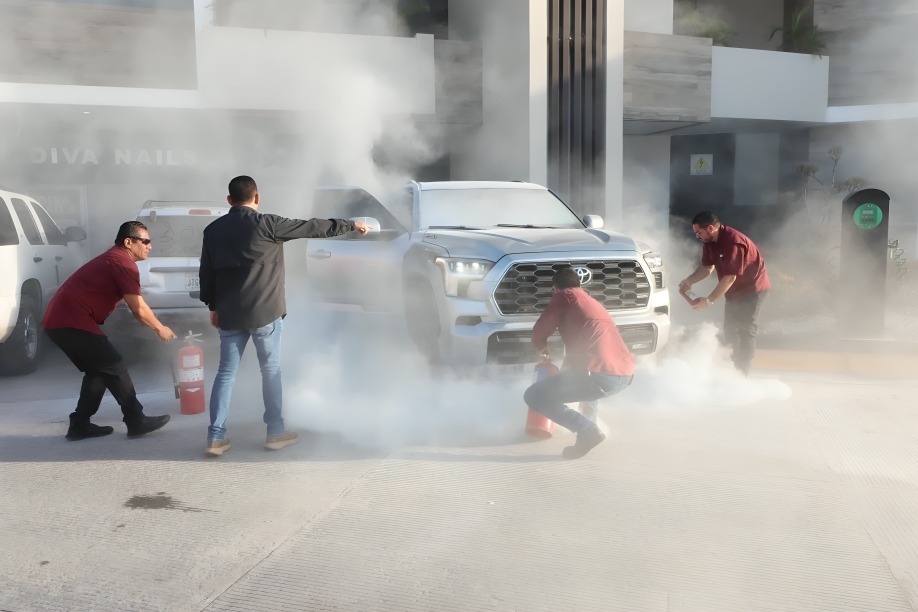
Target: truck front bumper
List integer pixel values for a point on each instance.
(469, 339)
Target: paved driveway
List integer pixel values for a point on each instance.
(788, 491)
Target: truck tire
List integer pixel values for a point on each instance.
(422, 320)
(22, 350)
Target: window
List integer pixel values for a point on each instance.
(27, 221)
(486, 208)
(176, 235)
(8, 233)
(52, 232)
(347, 203)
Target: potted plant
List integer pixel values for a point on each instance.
(694, 23)
(801, 35)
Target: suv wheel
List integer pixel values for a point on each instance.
(20, 353)
(422, 320)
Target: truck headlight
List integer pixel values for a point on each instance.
(458, 272)
(653, 260)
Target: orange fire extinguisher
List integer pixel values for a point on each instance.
(537, 424)
(189, 381)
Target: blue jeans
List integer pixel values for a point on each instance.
(550, 395)
(267, 341)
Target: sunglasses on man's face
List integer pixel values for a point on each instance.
(144, 241)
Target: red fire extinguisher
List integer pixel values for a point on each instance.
(537, 424)
(189, 388)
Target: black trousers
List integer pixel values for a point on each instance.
(741, 327)
(103, 368)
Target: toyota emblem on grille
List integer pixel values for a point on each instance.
(584, 275)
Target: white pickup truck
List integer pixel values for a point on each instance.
(470, 265)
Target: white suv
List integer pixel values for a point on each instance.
(169, 276)
(35, 258)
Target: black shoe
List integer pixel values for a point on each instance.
(146, 424)
(85, 430)
(586, 440)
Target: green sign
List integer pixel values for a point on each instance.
(868, 216)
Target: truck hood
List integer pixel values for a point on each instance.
(492, 244)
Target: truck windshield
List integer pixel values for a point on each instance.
(488, 208)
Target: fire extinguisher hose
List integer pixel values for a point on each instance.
(175, 383)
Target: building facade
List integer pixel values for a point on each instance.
(642, 111)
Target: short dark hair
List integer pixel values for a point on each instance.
(565, 278)
(128, 229)
(705, 218)
(242, 189)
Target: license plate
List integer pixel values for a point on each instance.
(192, 282)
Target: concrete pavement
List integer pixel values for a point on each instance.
(790, 491)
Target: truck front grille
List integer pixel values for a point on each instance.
(514, 347)
(616, 284)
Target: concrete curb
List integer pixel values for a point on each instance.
(870, 365)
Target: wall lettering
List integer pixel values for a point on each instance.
(119, 157)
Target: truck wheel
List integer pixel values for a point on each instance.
(422, 321)
(21, 351)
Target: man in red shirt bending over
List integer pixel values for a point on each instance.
(597, 362)
(72, 322)
(741, 280)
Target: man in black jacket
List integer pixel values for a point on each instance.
(242, 282)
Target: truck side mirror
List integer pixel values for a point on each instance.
(373, 223)
(74, 234)
(593, 221)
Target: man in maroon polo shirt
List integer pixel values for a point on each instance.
(597, 362)
(742, 282)
(72, 322)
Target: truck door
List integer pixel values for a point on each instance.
(353, 271)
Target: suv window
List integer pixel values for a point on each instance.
(27, 221)
(8, 233)
(176, 235)
(52, 232)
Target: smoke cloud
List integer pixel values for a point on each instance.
(353, 375)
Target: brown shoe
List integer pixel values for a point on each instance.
(278, 442)
(215, 448)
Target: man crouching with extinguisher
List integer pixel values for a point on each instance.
(597, 362)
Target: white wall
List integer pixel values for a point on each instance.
(538, 91)
(284, 70)
(253, 68)
(511, 144)
(645, 189)
(615, 102)
(752, 84)
(654, 16)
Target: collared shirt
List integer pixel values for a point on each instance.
(242, 263)
(91, 293)
(733, 253)
(591, 339)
